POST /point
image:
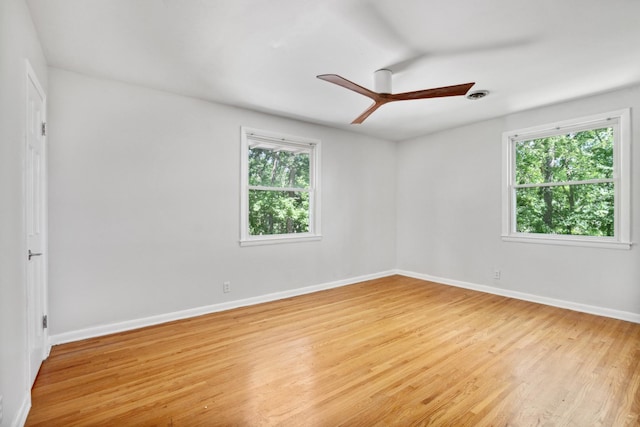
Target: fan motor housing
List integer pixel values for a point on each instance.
(382, 81)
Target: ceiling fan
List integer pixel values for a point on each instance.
(383, 95)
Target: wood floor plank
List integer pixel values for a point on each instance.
(392, 351)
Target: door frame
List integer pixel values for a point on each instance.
(31, 78)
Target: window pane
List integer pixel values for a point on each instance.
(279, 167)
(572, 157)
(583, 210)
(278, 212)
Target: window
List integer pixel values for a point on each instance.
(568, 183)
(280, 188)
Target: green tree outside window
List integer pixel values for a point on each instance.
(279, 182)
(564, 184)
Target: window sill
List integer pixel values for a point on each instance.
(274, 240)
(564, 241)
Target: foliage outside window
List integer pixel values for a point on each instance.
(568, 183)
(280, 200)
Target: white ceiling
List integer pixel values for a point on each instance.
(264, 55)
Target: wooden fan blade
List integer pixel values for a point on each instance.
(437, 92)
(341, 81)
(361, 118)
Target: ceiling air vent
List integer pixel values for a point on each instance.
(477, 94)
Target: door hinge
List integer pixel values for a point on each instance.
(45, 322)
(44, 128)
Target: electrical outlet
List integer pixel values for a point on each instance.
(496, 274)
(226, 287)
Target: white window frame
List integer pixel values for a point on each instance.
(247, 136)
(620, 120)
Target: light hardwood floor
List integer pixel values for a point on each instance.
(393, 351)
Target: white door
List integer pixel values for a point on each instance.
(36, 221)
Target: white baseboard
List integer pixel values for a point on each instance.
(21, 417)
(113, 328)
(591, 309)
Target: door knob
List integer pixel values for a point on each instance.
(31, 254)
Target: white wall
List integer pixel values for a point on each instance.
(144, 209)
(18, 41)
(144, 205)
(449, 215)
